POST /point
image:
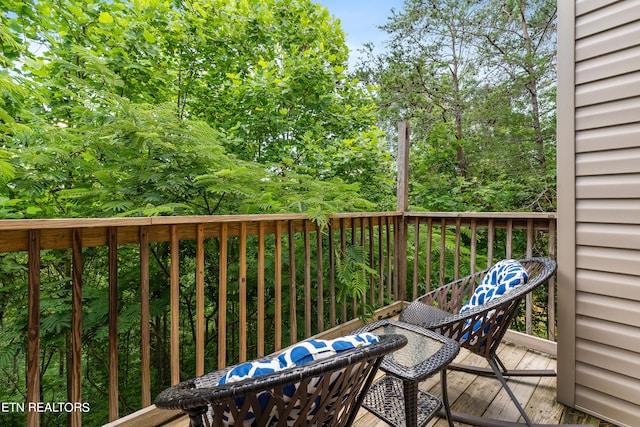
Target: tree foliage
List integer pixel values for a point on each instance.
(149, 107)
(477, 81)
(157, 108)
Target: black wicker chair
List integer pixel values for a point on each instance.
(328, 392)
(439, 311)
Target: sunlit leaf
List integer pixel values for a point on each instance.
(105, 18)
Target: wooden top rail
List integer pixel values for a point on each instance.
(515, 220)
(61, 223)
(58, 223)
(484, 215)
(57, 233)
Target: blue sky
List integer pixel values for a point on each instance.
(360, 18)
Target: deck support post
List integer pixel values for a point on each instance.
(402, 205)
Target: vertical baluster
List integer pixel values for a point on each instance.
(343, 248)
(416, 258)
(278, 286)
(76, 329)
(113, 323)
(443, 248)
(399, 251)
(222, 297)
(175, 304)
(392, 296)
(551, 302)
(33, 328)
(242, 288)
(332, 277)
(380, 263)
(509, 243)
(456, 259)
(529, 297)
(362, 245)
(372, 263)
(145, 334)
(293, 323)
(320, 273)
(490, 242)
(474, 246)
(429, 254)
(306, 228)
(354, 302)
(261, 290)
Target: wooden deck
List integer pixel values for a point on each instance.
(483, 396)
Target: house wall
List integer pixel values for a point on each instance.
(599, 208)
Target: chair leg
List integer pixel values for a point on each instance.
(503, 368)
(445, 397)
(196, 415)
(513, 397)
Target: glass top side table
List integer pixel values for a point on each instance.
(396, 397)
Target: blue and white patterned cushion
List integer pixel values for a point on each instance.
(297, 355)
(500, 279)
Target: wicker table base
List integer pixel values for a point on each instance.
(386, 400)
(396, 398)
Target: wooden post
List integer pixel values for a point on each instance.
(404, 143)
(402, 205)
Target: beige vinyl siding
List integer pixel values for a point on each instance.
(621, 136)
(610, 114)
(600, 403)
(621, 211)
(608, 162)
(603, 356)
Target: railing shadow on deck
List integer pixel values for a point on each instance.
(198, 293)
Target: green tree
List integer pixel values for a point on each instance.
(270, 106)
(517, 44)
(476, 79)
(428, 71)
(148, 107)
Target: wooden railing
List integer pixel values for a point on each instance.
(285, 262)
(446, 239)
(231, 288)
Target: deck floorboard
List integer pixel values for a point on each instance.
(484, 396)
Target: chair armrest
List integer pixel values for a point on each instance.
(426, 316)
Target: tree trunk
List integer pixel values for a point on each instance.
(532, 86)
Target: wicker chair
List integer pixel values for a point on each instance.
(328, 392)
(439, 310)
